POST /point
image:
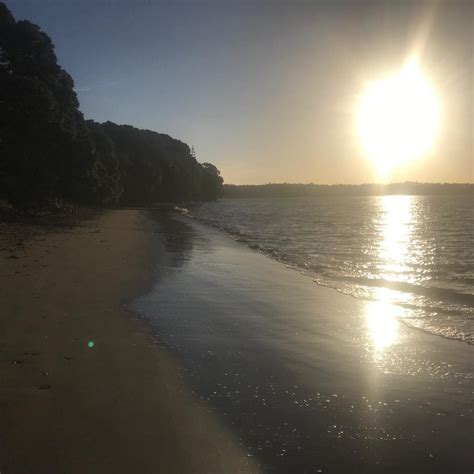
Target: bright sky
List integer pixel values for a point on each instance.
(267, 91)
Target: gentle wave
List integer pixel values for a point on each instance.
(412, 251)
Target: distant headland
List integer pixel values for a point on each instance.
(297, 190)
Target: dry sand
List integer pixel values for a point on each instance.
(120, 406)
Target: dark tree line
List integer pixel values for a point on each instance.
(299, 190)
(49, 152)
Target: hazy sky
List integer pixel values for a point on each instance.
(266, 90)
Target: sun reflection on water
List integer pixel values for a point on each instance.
(395, 224)
(396, 227)
(382, 324)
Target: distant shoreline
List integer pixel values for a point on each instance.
(371, 189)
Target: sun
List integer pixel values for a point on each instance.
(397, 118)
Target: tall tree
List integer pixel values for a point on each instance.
(212, 182)
(48, 151)
(44, 140)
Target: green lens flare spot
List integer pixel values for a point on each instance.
(90, 344)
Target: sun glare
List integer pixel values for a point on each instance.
(382, 323)
(398, 118)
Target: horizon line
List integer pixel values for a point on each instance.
(358, 184)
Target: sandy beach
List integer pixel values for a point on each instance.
(228, 362)
(236, 237)
(120, 406)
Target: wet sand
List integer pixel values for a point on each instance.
(120, 406)
(309, 379)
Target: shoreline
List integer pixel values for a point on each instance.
(121, 405)
(228, 362)
(307, 377)
(412, 314)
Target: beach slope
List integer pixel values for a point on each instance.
(84, 387)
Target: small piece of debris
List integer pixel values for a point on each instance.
(45, 387)
(13, 256)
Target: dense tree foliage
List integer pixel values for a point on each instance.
(106, 183)
(156, 167)
(48, 151)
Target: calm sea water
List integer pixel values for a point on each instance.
(414, 254)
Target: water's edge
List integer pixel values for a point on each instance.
(410, 315)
